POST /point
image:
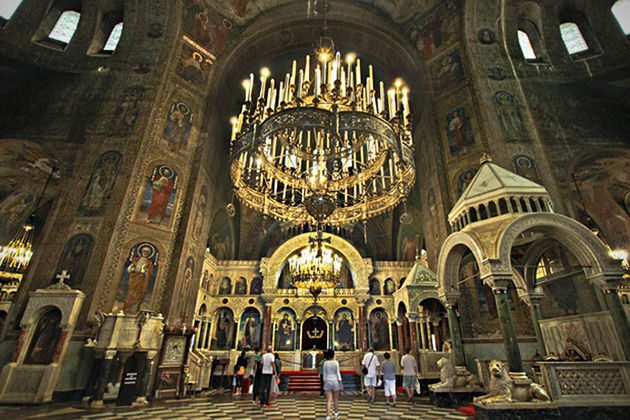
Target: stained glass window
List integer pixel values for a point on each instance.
(526, 46)
(7, 7)
(65, 26)
(621, 10)
(114, 37)
(572, 37)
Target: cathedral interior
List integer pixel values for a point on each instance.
(479, 161)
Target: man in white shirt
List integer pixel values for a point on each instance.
(268, 363)
(373, 366)
(410, 373)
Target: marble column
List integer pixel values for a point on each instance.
(143, 386)
(619, 317)
(510, 341)
(406, 334)
(423, 333)
(535, 298)
(362, 329)
(401, 343)
(459, 357)
(413, 333)
(101, 380)
(267, 327)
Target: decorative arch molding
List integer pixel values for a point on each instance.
(416, 300)
(451, 254)
(271, 267)
(588, 248)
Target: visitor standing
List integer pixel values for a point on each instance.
(321, 377)
(370, 367)
(388, 369)
(239, 371)
(332, 384)
(410, 373)
(275, 384)
(257, 375)
(268, 368)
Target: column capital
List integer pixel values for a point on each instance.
(449, 298)
(413, 316)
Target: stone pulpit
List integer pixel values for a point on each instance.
(47, 325)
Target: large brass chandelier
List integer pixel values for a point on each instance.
(315, 268)
(324, 145)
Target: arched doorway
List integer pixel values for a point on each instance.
(314, 334)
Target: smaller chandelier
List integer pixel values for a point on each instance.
(15, 256)
(315, 268)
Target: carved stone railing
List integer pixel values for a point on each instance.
(130, 332)
(587, 383)
(324, 293)
(427, 365)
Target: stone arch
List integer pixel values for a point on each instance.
(271, 268)
(451, 254)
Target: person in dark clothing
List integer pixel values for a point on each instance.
(239, 371)
(257, 376)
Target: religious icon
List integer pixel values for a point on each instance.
(138, 279)
(448, 72)
(379, 330)
(43, 345)
(486, 36)
(178, 125)
(250, 329)
(375, 287)
(226, 286)
(525, 167)
(344, 330)
(496, 73)
(464, 179)
(221, 236)
(193, 66)
(186, 285)
(240, 287)
(200, 213)
(127, 112)
(159, 195)
(74, 259)
(206, 27)
(224, 329)
(285, 331)
(509, 115)
(390, 287)
(98, 188)
(459, 131)
(256, 286)
(437, 29)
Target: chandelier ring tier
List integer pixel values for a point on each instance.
(331, 138)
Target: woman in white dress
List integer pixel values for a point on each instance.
(332, 384)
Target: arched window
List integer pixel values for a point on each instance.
(573, 38)
(8, 7)
(65, 27)
(526, 46)
(621, 10)
(114, 37)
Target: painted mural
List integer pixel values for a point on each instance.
(464, 179)
(447, 72)
(187, 287)
(433, 220)
(375, 287)
(206, 27)
(256, 286)
(225, 287)
(74, 259)
(437, 29)
(459, 131)
(379, 330)
(223, 338)
(126, 112)
(345, 331)
(159, 195)
(200, 213)
(240, 287)
(250, 329)
(177, 127)
(138, 278)
(390, 287)
(509, 116)
(604, 182)
(525, 167)
(285, 330)
(410, 235)
(101, 182)
(221, 236)
(193, 66)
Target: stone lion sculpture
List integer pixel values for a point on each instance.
(451, 378)
(502, 388)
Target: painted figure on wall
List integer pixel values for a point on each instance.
(525, 167)
(206, 27)
(200, 213)
(186, 285)
(344, 330)
(464, 179)
(433, 220)
(390, 287)
(74, 259)
(225, 288)
(224, 329)
(509, 115)
(459, 131)
(127, 112)
(205, 280)
(138, 279)
(43, 345)
(285, 330)
(437, 29)
(193, 65)
(240, 287)
(447, 72)
(379, 330)
(375, 287)
(256, 286)
(221, 236)
(177, 127)
(250, 329)
(159, 195)
(101, 183)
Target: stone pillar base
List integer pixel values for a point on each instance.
(521, 411)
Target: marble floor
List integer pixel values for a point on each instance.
(222, 406)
